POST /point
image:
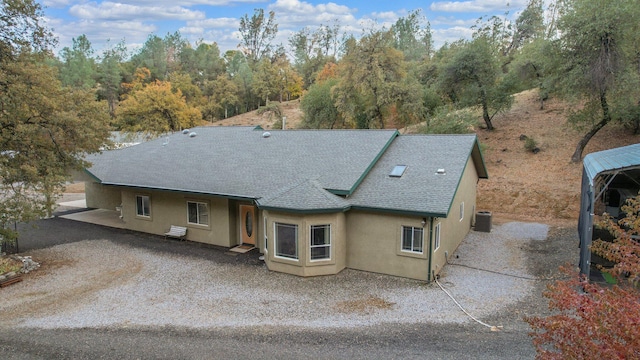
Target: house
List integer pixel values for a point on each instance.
(609, 178)
(314, 202)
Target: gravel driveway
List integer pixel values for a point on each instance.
(125, 279)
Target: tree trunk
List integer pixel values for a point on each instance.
(485, 110)
(606, 117)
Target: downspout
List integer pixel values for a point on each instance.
(430, 248)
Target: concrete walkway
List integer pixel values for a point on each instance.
(102, 217)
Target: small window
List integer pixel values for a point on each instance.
(143, 206)
(398, 170)
(436, 236)
(320, 242)
(286, 239)
(412, 239)
(461, 211)
(197, 213)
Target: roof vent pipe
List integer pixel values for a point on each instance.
(441, 172)
(185, 131)
(192, 134)
(266, 134)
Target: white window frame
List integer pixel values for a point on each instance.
(277, 253)
(462, 211)
(140, 211)
(327, 246)
(198, 213)
(436, 237)
(413, 246)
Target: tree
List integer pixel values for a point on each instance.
(21, 29)
(160, 56)
(156, 109)
(529, 26)
(266, 80)
(182, 82)
(288, 81)
(472, 77)
(221, 95)
(597, 50)
(410, 38)
(594, 321)
(202, 63)
(45, 129)
(318, 106)
(372, 84)
(241, 74)
(78, 66)
(257, 34)
(110, 75)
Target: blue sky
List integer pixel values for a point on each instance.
(217, 20)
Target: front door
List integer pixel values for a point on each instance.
(247, 224)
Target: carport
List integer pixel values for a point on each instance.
(609, 178)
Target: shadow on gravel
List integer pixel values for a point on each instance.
(56, 231)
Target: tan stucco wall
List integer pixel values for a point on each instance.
(303, 266)
(374, 244)
(453, 230)
(99, 196)
(171, 209)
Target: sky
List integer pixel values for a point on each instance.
(106, 22)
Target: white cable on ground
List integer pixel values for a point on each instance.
(493, 328)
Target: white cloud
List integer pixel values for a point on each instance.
(481, 6)
(217, 23)
(57, 3)
(449, 35)
(100, 32)
(297, 14)
(119, 11)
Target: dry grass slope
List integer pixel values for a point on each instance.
(544, 186)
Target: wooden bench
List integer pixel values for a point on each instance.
(179, 232)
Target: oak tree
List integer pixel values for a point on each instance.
(45, 129)
(156, 109)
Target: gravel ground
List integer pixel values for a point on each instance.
(106, 283)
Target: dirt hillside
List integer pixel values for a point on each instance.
(543, 186)
(290, 109)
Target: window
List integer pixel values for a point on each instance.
(197, 213)
(412, 239)
(143, 207)
(286, 240)
(436, 236)
(320, 242)
(461, 211)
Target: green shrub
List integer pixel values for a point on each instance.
(530, 144)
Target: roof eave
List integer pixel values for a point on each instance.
(399, 211)
(184, 191)
(304, 211)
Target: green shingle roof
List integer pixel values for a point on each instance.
(299, 170)
(421, 189)
(240, 161)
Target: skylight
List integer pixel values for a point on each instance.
(398, 170)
